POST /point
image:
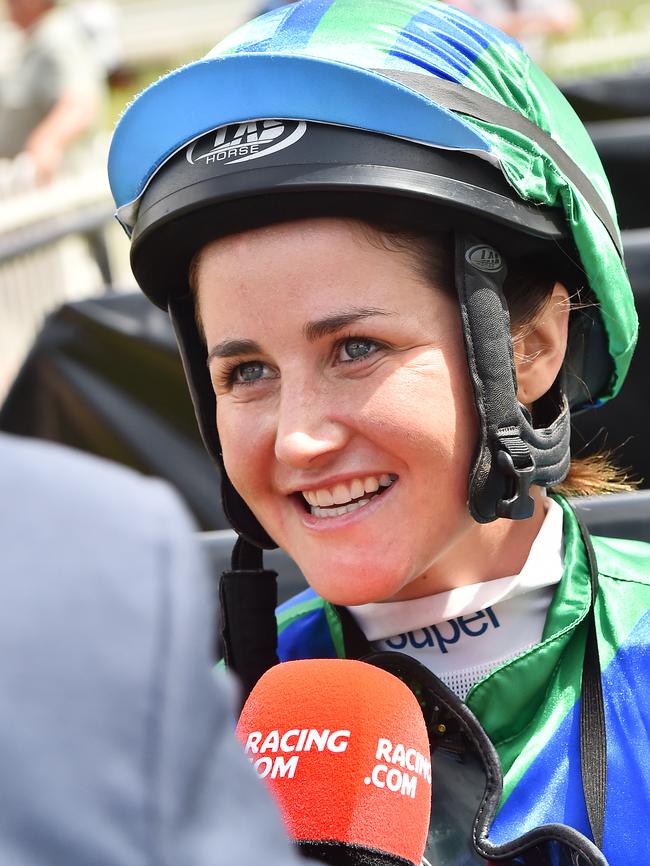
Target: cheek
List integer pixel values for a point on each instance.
(243, 446)
(464, 417)
(426, 408)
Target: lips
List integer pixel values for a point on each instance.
(346, 496)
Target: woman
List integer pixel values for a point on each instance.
(390, 252)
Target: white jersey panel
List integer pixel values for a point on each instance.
(462, 634)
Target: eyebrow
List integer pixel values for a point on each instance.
(232, 349)
(331, 324)
(313, 331)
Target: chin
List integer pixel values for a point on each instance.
(349, 585)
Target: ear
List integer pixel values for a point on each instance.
(539, 350)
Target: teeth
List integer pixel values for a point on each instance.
(341, 494)
(342, 509)
(327, 502)
(324, 498)
(371, 484)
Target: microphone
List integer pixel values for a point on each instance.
(344, 748)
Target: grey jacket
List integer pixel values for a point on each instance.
(116, 743)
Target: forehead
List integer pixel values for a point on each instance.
(309, 265)
(304, 237)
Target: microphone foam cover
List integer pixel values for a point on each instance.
(344, 748)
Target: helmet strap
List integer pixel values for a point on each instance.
(512, 454)
(248, 596)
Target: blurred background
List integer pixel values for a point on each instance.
(84, 359)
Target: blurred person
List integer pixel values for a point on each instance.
(52, 92)
(116, 740)
(100, 20)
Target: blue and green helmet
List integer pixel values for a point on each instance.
(327, 101)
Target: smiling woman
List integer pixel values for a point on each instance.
(336, 357)
(371, 341)
(393, 266)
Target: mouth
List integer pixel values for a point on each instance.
(346, 496)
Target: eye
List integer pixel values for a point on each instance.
(356, 348)
(249, 372)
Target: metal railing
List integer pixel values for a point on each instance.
(55, 246)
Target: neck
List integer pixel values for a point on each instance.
(483, 552)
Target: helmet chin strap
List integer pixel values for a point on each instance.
(511, 454)
(248, 596)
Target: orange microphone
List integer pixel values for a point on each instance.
(344, 749)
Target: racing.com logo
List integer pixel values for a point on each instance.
(239, 142)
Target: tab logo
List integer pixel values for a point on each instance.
(240, 142)
(484, 258)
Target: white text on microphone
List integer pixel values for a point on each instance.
(294, 740)
(388, 775)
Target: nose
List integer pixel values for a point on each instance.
(308, 430)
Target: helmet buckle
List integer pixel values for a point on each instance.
(519, 505)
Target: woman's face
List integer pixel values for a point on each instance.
(343, 403)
